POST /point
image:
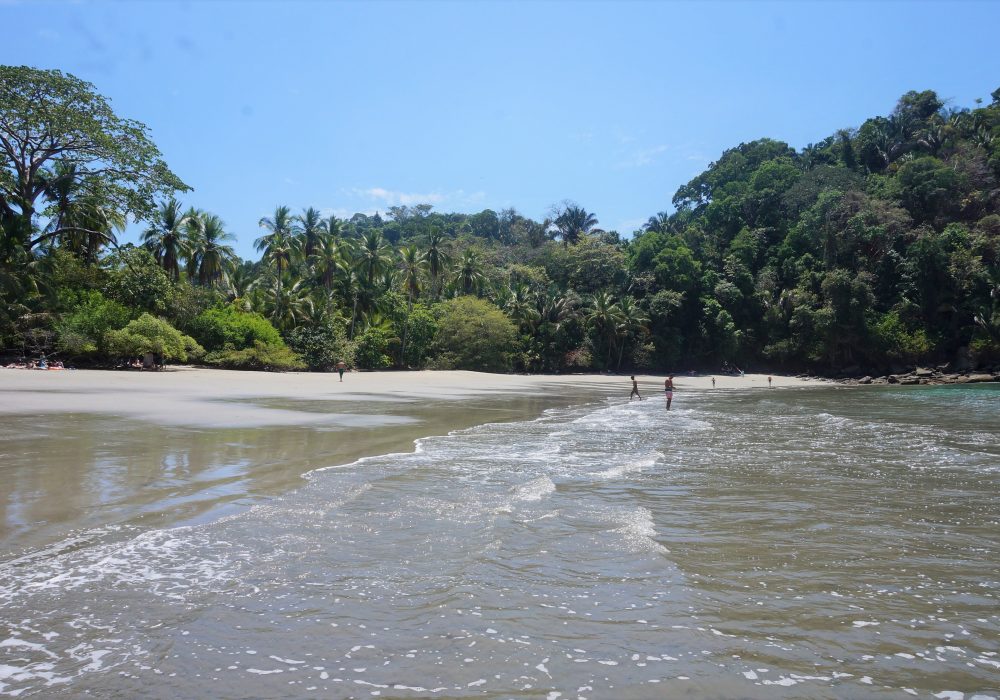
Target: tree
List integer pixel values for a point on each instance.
(165, 237)
(474, 334)
(46, 117)
(310, 228)
(373, 257)
(437, 260)
(209, 254)
(278, 244)
(605, 316)
(573, 222)
(469, 272)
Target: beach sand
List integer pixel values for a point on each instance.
(209, 398)
(88, 448)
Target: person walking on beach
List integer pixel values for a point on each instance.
(341, 366)
(668, 388)
(635, 389)
(769, 381)
(713, 382)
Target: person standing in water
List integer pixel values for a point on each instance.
(635, 389)
(668, 388)
(713, 382)
(341, 366)
(769, 382)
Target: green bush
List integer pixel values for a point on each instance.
(420, 327)
(896, 342)
(134, 279)
(149, 334)
(82, 331)
(371, 348)
(260, 357)
(474, 334)
(228, 325)
(321, 347)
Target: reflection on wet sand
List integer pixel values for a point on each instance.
(68, 472)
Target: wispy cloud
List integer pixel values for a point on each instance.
(641, 157)
(391, 198)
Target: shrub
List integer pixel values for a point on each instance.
(149, 334)
(82, 331)
(896, 342)
(371, 348)
(135, 279)
(420, 327)
(228, 325)
(474, 334)
(260, 357)
(321, 347)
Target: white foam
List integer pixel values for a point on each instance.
(534, 490)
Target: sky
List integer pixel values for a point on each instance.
(355, 107)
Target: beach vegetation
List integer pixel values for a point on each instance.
(871, 247)
(474, 334)
(148, 334)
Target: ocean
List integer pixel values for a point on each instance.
(827, 542)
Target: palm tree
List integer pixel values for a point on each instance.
(633, 322)
(209, 251)
(278, 244)
(86, 222)
(284, 304)
(659, 223)
(238, 284)
(437, 260)
(469, 271)
(413, 263)
(605, 315)
(165, 237)
(374, 256)
(573, 222)
(328, 261)
(311, 227)
(521, 307)
(556, 308)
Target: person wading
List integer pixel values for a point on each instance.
(635, 390)
(668, 389)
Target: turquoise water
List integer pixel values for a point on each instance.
(827, 542)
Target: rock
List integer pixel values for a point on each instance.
(977, 378)
(909, 380)
(881, 380)
(892, 379)
(924, 372)
(865, 380)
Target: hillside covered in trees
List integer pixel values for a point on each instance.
(873, 247)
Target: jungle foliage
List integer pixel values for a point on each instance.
(872, 247)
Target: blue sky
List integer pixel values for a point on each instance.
(358, 106)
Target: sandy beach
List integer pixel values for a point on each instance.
(188, 396)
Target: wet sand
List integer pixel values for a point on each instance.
(90, 449)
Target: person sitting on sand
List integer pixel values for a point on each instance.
(635, 389)
(668, 388)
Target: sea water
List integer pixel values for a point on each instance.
(828, 542)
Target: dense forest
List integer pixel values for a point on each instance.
(875, 247)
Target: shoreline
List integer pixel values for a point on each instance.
(88, 449)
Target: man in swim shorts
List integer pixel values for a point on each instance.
(635, 389)
(668, 388)
(341, 366)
